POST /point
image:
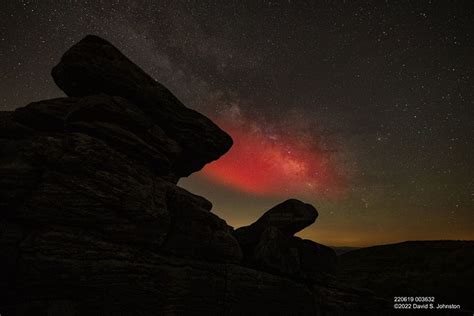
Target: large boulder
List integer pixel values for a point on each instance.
(269, 244)
(289, 217)
(94, 66)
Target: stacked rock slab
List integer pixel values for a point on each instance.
(269, 244)
(94, 66)
(92, 221)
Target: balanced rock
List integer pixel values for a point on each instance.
(289, 217)
(94, 66)
(269, 244)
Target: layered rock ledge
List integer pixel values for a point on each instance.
(92, 221)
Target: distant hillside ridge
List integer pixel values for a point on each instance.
(443, 269)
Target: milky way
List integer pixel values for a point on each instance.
(275, 164)
(364, 109)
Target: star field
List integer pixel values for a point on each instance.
(381, 91)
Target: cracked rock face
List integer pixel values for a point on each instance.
(92, 221)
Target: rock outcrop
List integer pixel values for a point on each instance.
(289, 217)
(92, 221)
(269, 244)
(95, 66)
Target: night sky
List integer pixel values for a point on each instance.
(363, 109)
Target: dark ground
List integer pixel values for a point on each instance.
(442, 269)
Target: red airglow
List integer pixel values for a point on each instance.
(274, 165)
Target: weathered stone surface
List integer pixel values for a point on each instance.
(289, 217)
(110, 162)
(94, 66)
(335, 298)
(117, 122)
(274, 252)
(102, 168)
(87, 275)
(11, 129)
(289, 255)
(269, 244)
(79, 181)
(195, 232)
(89, 200)
(93, 223)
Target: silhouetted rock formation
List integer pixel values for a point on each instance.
(269, 244)
(289, 217)
(95, 66)
(93, 223)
